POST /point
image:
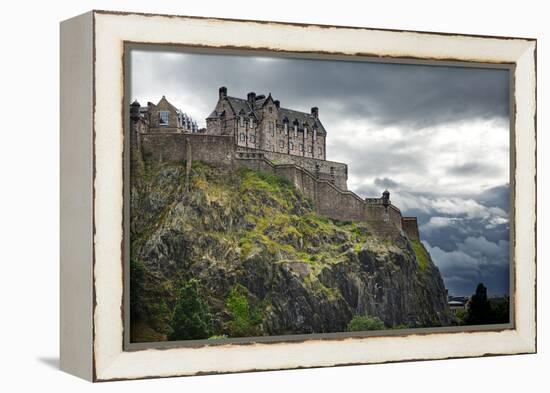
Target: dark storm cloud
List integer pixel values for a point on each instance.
(496, 196)
(471, 246)
(410, 95)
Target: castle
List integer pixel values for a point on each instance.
(258, 133)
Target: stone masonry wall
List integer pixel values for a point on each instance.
(331, 171)
(410, 227)
(214, 149)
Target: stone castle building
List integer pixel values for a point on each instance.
(258, 133)
(259, 122)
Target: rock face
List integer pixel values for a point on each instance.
(296, 271)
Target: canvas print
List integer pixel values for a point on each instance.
(274, 196)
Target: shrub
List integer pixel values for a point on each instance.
(191, 319)
(364, 322)
(244, 319)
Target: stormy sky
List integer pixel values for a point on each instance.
(436, 137)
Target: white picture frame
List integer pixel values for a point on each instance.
(92, 194)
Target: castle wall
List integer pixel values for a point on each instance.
(338, 174)
(375, 212)
(394, 216)
(410, 227)
(339, 205)
(158, 147)
(214, 149)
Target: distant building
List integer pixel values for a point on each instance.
(162, 117)
(458, 303)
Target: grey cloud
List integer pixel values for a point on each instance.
(474, 168)
(385, 182)
(411, 95)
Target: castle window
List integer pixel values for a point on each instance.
(305, 132)
(252, 138)
(163, 118)
(291, 145)
(242, 137)
(241, 121)
(320, 152)
(281, 144)
(251, 123)
(310, 149)
(295, 130)
(286, 128)
(270, 109)
(272, 128)
(301, 147)
(315, 134)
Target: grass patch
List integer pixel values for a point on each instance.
(421, 254)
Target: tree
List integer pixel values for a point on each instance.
(191, 319)
(364, 322)
(244, 318)
(479, 308)
(137, 279)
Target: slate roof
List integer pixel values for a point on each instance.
(241, 105)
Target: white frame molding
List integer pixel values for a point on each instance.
(92, 194)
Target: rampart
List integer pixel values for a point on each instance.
(330, 200)
(332, 171)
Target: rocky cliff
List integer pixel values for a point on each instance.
(263, 262)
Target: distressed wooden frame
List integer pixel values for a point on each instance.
(92, 190)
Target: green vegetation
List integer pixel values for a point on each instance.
(361, 323)
(421, 254)
(483, 311)
(189, 248)
(245, 320)
(191, 319)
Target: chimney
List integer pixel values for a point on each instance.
(315, 112)
(277, 104)
(223, 92)
(251, 97)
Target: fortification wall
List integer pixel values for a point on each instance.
(159, 147)
(339, 205)
(214, 149)
(375, 212)
(333, 171)
(410, 227)
(394, 216)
